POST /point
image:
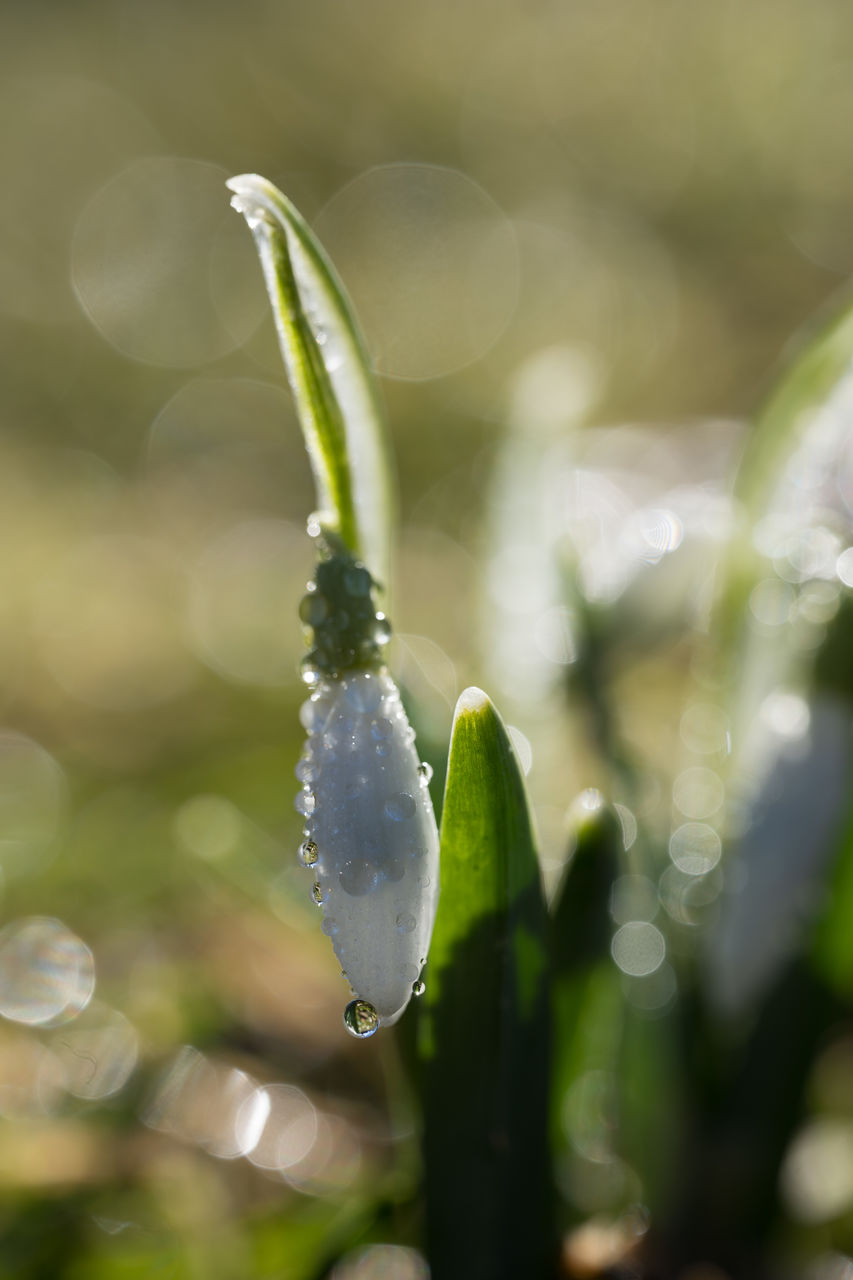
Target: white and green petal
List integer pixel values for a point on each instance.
(370, 836)
(371, 840)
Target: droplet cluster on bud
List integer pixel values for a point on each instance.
(348, 632)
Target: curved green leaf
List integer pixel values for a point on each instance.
(484, 1031)
(329, 373)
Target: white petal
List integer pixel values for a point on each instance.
(375, 832)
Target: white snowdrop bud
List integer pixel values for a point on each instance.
(371, 841)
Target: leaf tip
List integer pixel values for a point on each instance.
(251, 196)
(472, 702)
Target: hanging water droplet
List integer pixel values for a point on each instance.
(317, 893)
(330, 926)
(405, 922)
(418, 988)
(400, 807)
(306, 802)
(425, 773)
(308, 853)
(361, 1019)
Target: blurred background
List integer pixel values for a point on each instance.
(578, 238)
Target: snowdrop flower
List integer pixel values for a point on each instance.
(370, 834)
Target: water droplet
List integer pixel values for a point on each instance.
(405, 922)
(317, 893)
(383, 749)
(381, 629)
(394, 869)
(306, 770)
(306, 802)
(425, 773)
(308, 670)
(313, 608)
(358, 878)
(308, 853)
(381, 729)
(330, 926)
(424, 882)
(313, 714)
(313, 525)
(418, 988)
(400, 807)
(357, 581)
(361, 1019)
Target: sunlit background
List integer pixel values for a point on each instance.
(578, 237)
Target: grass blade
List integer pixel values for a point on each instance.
(329, 373)
(484, 1034)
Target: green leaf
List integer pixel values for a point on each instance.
(484, 1030)
(329, 373)
(587, 1002)
(833, 936)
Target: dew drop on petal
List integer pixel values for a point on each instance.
(358, 878)
(317, 893)
(394, 868)
(361, 1019)
(383, 749)
(330, 926)
(405, 922)
(424, 882)
(314, 713)
(381, 729)
(418, 988)
(306, 770)
(400, 807)
(308, 853)
(425, 773)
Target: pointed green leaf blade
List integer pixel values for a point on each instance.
(329, 373)
(484, 1036)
